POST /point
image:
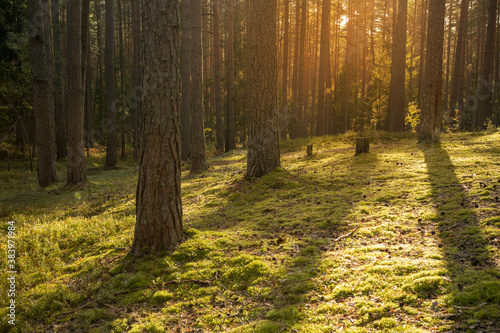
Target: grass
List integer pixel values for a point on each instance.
(262, 255)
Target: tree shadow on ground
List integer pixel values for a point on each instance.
(465, 245)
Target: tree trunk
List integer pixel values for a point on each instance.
(458, 76)
(219, 141)
(76, 159)
(109, 61)
(347, 92)
(137, 90)
(100, 65)
(198, 162)
(159, 207)
(448, 51)
(43, 102)
(324, 59)
(398, 66)
(422, 52)
(263, 141)
(302, 120)
(485, 86)
(122, 80)
(186, 80)
(230, 127)
(430, 123)
(362, 146)
(87, 131)
(60, 118)
(284, 111)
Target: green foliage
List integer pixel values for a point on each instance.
(412, 118)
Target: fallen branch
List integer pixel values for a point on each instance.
(346, 235)
(79, 308)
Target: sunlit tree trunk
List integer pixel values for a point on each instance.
(219, 141)
(230, 122)
(458, 76)
(284, 110)
(302, 125)
(186, 79)
(324, 59)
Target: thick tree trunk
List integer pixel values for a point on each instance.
(430, 123)
(324, 59)
(485, 88)
(230, 122)
(362, 146)
(109, 61)
(159, 207)
(60, 118)
(186, 79)
(198, 161)
(43, 102)
(219, 141)
(263, 141)
(458, 76)
(137, 90)
(286, 37)
(398, 66)
(76, 159)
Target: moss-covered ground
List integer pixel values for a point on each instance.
(420, 252)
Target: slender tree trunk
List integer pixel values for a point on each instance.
(284, 111)
(60, 118)
(87, 131)
(159, 206)
(100, 65)
(430, 125)
(76, 159)
(137, 90)
(448, 51)
(458, 76)
(423, 35)
(230, 127)
(198, 162)
(87, 113)
(347, 92)
(485, 87)
(219, 142)
(324, 59)
(302, 120)
(43, 102)
(109, 61)
(186, 79)
(294, 123)
(122, 79)
(398, 66)
(263, 141)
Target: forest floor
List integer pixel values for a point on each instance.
(402, 239)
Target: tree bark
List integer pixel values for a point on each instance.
(76, 159)
(230, 127)
(186, 79)
(430, 123)
(458, 76)
(398, 66)
(122, 80)
(159, 207)
(100, 65)
(302, 120)
(263, 142)
(347, 92)
(362, 146)
(87, 130)
(137, 90)
(109, 61)
(198, 161)
(324, 59)
(219, 141)
(284, 111)
(43, 102)
(60, 118)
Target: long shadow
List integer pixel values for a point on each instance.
(474, 272)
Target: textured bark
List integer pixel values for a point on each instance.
(458, 76)
(263, 141)
(448, 52)
(362, 146)
(198, 161)
(302, 121)
(219, 140)
(430, 120)
(109, 77)
(122, 79)
(398, 66)
(100, 66)
(324, 59)
(86, 79)
(136, 77)
(43, 103)
(186, 79)
(347, 92)
(422, 52)
(159, 207)
(286, 37)
(230, 122)
(76, 159)
(485, 88)
(60, 118)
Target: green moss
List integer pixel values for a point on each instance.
(425, 285)
(161, 297)
(285, 315)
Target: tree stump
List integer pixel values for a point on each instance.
(362, 146)
(309, 150)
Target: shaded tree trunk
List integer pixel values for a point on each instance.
(186, 80)
(347, 92)
(302, 120)
(263, 141)
(43, 102)
(60, 118)
(109, 60)
(324, 59)
(198, 162)
(430, 123)
(76, 159)
(100, 66)
(136, 76)
(398, 66)
(458, 76)
(122, 79)
(284, 110)
(219, 141)
(159, 207)
(87, 130)
(230, 122)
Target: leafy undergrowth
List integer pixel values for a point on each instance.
(420, 252)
